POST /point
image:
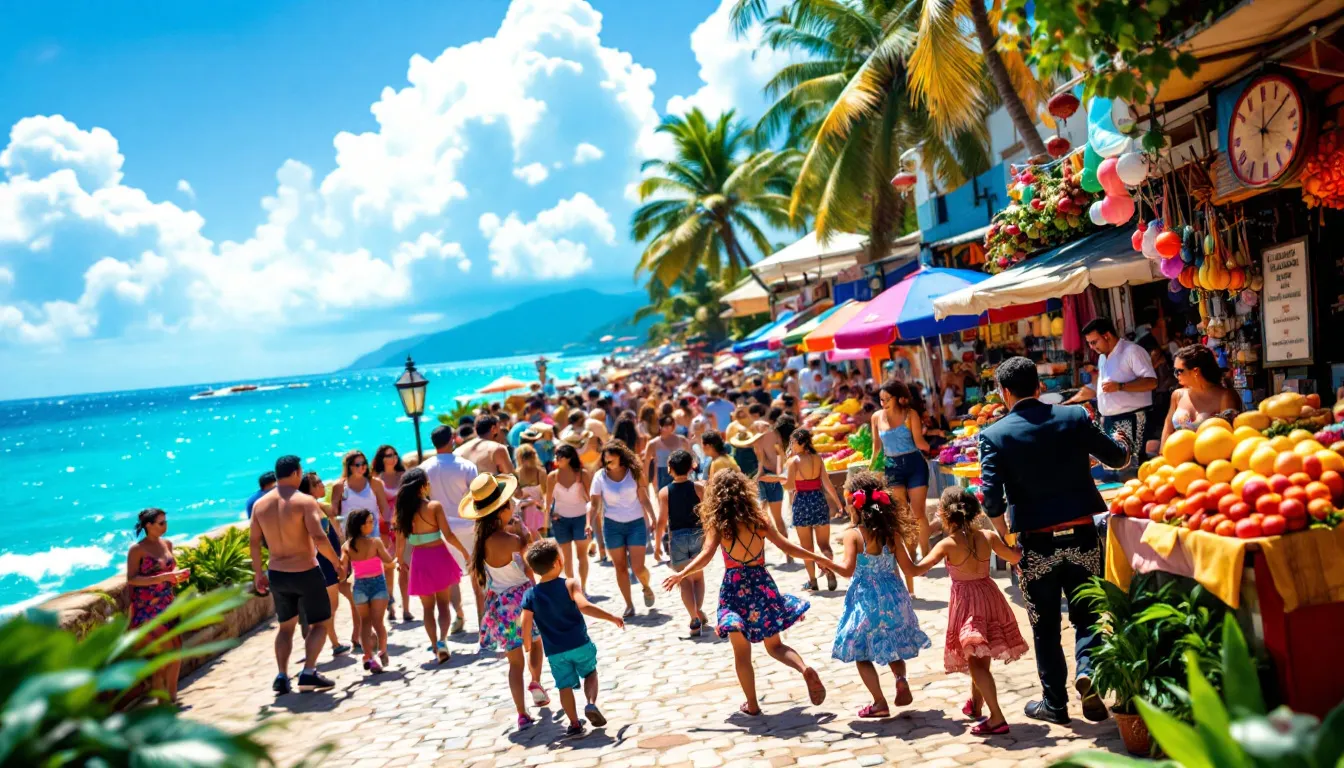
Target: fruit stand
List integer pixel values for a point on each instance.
(1251, 510)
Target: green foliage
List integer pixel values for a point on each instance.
(1124, 47)
(691, 309)
(453, 416)
(1234, 731)
(1146, 635)
(59, 694)
(218, 561)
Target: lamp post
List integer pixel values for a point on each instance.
(411, 389)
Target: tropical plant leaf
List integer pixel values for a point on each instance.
(1176, 738)
(1241, 680)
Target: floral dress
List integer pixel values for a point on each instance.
(502, 620)
(878, 623)
(148, 602)
(750, 603)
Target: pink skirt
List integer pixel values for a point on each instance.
(433, 569)
(980, 623)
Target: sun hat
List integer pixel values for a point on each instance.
(577, 439)
(745, 439)
(488, 494)
(531, 433)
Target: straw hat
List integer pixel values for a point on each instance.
(745, 439)
(531, 433)
(577, 439)
(488, 493)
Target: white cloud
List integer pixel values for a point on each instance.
(184, 187)
(585, 153)
(351, 241)
(6, 276)
(425, 318)
(531, 174)
(734, 70)
(536, 249)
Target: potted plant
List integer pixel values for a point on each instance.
(1234, 730)
(1144, 636)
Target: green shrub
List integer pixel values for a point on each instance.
(219, 561)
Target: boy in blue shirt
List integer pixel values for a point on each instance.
(558, 606)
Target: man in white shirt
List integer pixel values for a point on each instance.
(1126, 381)
(450, 479)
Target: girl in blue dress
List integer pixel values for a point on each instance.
(878, 624)
(751, 608)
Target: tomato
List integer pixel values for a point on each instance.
(1226, 528)
(1274, 525)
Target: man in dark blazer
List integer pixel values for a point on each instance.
(1035, 464)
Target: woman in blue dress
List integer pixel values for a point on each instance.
(878, 624)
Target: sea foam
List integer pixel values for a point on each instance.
(57, 562)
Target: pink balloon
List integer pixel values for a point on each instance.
(1172, 267)
(1110, 178)
(1117, 209)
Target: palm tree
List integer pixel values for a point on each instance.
(705, 207)
(460, 409)
(689, 310)
(850, 106)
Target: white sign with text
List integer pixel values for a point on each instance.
(1287, 304)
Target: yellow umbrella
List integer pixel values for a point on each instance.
(502, 384)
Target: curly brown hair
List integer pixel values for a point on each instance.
(889, 521)
(626, 456)
(958, 508)
(730, 503)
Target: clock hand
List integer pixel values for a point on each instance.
(1276, 113)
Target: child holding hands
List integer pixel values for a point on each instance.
(980, 625)
(556, 606)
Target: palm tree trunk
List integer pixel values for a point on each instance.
(888, 208)
(1022, 121)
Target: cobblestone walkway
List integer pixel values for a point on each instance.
(670, 700)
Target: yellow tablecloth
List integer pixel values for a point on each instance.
(1308, 567)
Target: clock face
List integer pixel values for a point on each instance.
(1265, 136)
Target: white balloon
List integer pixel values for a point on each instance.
(1094, 213)
(1132, 168)
(1150, 242)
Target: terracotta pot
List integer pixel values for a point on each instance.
(1134, 732)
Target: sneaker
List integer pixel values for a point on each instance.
(525, 722)
(1094, 708)
(648, 596)
(281, 685)
(575, 730)
(1039, 710)
(313, 681)
(595, 715)
(539, 696)
(340, 650)
(695, 627)
(458, 625)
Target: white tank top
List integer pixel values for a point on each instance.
(352, 500)
(620, 500)
(508, 576)
(569, 499)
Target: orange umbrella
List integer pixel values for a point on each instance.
(502, 384)
(823, 337)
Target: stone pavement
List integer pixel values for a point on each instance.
(670, 700)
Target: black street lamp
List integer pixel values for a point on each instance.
(411, 389)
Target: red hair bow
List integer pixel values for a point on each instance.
(860, 498)
(881, 496)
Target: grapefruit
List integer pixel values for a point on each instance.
(1262, 460)
(1186, 474)
(1220, 471)
(1308, 447)
(1282, 443)
(1213, 444)
(1241, 455)
(1180, 447)
(1298, 435)
(1246, 433)
(1331, 461)
(1253, 419)
(1213, 423)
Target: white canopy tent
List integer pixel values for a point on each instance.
(809, 257)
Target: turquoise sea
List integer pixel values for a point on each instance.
(81, 467)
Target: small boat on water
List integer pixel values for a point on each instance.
(240, 388)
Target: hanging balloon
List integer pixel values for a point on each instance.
(1028, 193)
(1132, 168)
(1136, 240)
(1117, 210)
(1102, 133)
(1095, 214)
(1174, 286)
(1171, 268)
(1089, 179)
(1168, 244)
(1150, 239)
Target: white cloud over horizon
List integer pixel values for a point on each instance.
(531, 174)
(541, 248)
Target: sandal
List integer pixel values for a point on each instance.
(830, 582)
(384, 658)
(969, 709)
(903, 696)
(985, 729)
(441, 652)
(747, 710)
(872, 711)
(816, 690)
(810, 585)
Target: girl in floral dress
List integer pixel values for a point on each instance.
(980, 625)
(878, 625)
(497, 563)
(751, 607)
(152, 573)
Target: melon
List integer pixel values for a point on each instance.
(1213, 444)
(1253, 419)
(1180, 447)
(1241, 455)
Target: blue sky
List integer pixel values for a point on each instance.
(196, 192)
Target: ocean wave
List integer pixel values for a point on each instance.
(23, 605)
(57, 562)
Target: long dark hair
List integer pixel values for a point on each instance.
(569, 454)
(349, 459)
(408, 498)
(381, 454)
(626, 456)
(485, 528)
(891, 522)
(625, 430)
(898, 391)
(1200, 358)
(146, 517)
(803, 439)
(354, 525)
(784, 427)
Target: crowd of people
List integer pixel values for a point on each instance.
(689, 463)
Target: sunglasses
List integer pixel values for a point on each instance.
(358, 464)
(1179, 371)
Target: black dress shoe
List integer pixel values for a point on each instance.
(1039, 710)
(1094, 708)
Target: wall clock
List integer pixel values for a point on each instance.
(1267, 131)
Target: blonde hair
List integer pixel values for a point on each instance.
(528, 459)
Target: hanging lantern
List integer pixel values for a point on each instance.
(1063, 105)
(904, 180)
(1058, 146)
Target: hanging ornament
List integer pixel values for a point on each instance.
(1132, 168)
(1171, 268)
(1096, 215)
(1057, 146)
(1168, 244)
(1063, 105)
(904, 180)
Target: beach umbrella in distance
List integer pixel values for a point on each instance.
(502, 384)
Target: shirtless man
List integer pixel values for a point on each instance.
(290, 524)
(682, 416)
(770, 480)
(487, 451)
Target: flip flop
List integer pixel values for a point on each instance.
(871, 711)
(747, 710)
(816, 690)
(903, 696)
(985, 729)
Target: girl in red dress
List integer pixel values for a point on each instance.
(151, 574)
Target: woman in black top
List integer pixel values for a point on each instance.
(679, 517)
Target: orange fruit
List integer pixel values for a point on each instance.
(1166, 492)
(1133, 506)
(1307, 447)
(1287, 464)
(1246, 433)
(1213, 444)
(1220, 471)
(1331, 461)
(1318, 490)
(1214, 423)
(1262, 461)
(1241, 455)
(1187, 473)
(1180, 447)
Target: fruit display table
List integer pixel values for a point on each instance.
(1291, 588)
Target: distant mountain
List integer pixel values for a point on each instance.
(572, 321)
